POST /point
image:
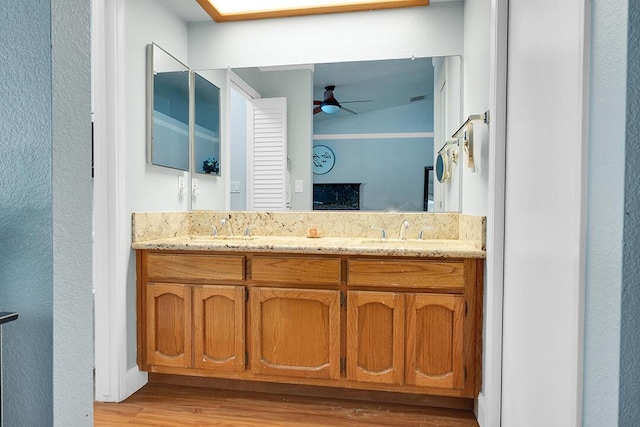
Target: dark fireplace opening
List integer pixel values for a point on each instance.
(336, 197)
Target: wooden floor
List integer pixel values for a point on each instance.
(169, 405)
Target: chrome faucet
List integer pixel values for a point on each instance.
(226, 222)
(402, 235)
(383, 233)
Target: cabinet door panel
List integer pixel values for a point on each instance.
(375, 337)
(218, 313)
(295, 332)
(435, 334)
(169, 325)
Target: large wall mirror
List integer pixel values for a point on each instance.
(391, 119)
(167, 110)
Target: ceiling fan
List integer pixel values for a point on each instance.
(330, 104)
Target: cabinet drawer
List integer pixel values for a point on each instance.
(193, 267)
(406, 274)
(303, 270)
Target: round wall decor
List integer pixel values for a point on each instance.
(323, 159)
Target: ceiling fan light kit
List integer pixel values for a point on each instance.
(329, 108)
(330, 104)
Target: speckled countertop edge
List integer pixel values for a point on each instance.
(323, 245)
(446, 235)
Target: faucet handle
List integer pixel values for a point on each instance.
(247, 230)
(214, 231)
(404, 226)
(383, 233)
(421, 235)
(226, 223)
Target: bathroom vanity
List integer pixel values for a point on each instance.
(347, 310)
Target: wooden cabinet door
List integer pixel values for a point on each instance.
(169, 325)
(375, 337)
(218, 318)
(295, 332)
(435, 346)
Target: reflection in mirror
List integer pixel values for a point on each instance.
(207, 126)
(393, 117)
(446, 159)
(167, 110)
(382, 133)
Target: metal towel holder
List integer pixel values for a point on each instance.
(466, 133)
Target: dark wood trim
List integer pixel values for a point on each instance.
(392, 4)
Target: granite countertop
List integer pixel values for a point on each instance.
(439, 248)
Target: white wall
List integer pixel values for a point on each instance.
(435, 30)
(544, 214)
(447, 120)
(476, 68)
(149, 188)
(238, 149)
(481, 190)
(396, 33)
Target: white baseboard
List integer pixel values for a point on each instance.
(136, 379)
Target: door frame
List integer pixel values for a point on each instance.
(489, 402)
(113, 382)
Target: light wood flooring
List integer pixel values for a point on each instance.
(170, 405)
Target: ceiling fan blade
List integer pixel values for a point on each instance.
(315, 102)
(317, 110)
(347, 110)
(351, 102)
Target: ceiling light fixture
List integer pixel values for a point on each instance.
(329, 108)
(237, 10)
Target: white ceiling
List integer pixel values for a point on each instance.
(387, 83)
(187, 10)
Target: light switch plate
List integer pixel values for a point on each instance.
(195, 190)
(181, 187)
(235, 186)
(298, 186)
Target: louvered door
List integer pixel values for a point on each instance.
(267, 154)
